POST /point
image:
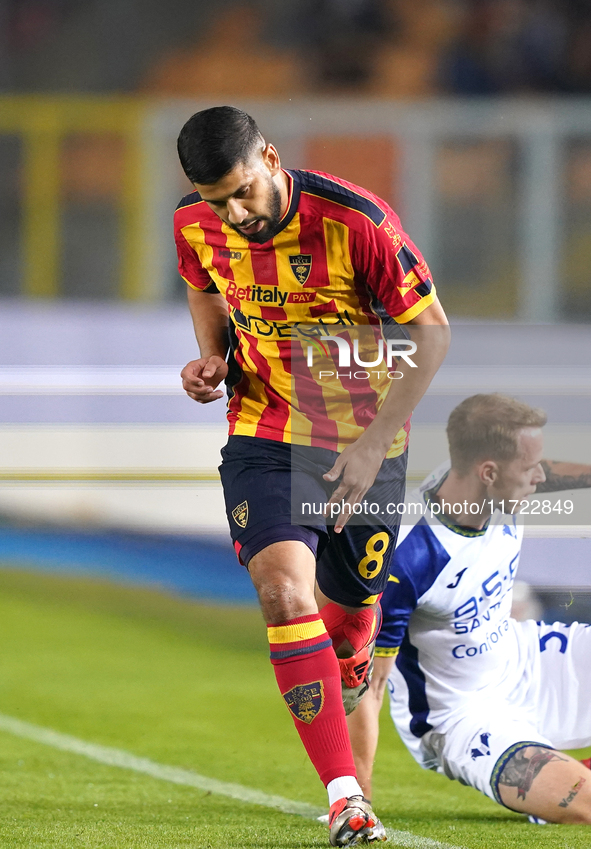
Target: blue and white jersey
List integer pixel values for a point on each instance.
(447, 613)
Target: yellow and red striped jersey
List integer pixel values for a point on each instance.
(340, 258)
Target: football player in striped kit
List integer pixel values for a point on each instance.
(265, 251)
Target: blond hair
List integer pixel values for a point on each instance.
(486, 427)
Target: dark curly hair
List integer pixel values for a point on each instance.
(214, 141)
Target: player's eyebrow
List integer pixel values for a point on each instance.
(227, 197)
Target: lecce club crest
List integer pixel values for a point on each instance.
(306, 701)
(301, 265)
(240, 514)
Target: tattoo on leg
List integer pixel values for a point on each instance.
(574, 790)
(521, 770)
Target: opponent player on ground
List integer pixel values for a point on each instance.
(474, 694)
(264, 251)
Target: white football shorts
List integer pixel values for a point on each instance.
(551, 706)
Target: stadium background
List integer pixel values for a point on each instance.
(471, 117)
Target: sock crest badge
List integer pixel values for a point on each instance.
(305, 701)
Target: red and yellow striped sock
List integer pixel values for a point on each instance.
(309, 679)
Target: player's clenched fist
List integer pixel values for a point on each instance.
(200, 378)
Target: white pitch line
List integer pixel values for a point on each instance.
(177, 775)
(125, 760)
(415, 841)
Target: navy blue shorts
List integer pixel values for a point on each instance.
(274, 492)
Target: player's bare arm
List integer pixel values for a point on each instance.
(210, 320)
(561, 476)
(548, 784)
(359, 463)
(364, 726)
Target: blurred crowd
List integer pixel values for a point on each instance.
(519, 46)
(389, 48)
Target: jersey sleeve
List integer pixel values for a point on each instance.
(394, 270)
(398, 602)
(417, 562)
(190, 267)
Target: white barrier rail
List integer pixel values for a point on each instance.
(165, 380)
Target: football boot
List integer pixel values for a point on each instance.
(356, 671)
(352, 822)
(356, 675)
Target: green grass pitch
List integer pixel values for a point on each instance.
(189, 686)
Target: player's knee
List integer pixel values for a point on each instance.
(282, 600)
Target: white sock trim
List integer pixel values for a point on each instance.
(346, 785)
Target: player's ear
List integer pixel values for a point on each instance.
(488, 472)
(271, 159)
